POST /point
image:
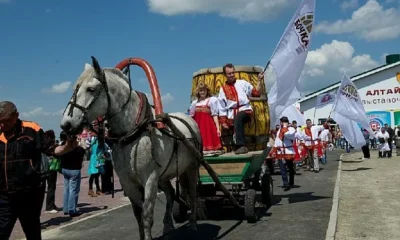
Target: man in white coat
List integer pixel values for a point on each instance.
(235, 109)
(285, 153)
(310, 135)
(383, 143)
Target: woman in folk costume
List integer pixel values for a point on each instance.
(284, 152)
(383, 145)
(204, 110)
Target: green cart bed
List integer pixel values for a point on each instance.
(231, 168)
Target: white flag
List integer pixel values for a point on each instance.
(348, 110)
(348, 103)
(272, 96)
(325, 99)
(350, 130)
(289, 57)
(293, 113)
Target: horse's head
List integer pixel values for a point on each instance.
(90, 99)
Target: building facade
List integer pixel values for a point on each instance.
(379, 89)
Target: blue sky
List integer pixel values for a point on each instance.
(45, 43)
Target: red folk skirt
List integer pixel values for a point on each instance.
(208, 130)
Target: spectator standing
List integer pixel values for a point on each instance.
(391, 133)
(108, 176)
(21, 185)
(96, 166)
(71, 156)
(50, 146)
(365, 148)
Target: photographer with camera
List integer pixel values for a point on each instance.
(71, 156)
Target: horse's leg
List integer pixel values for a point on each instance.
(169, 192)
(136, 198)
(137, 211)
(191, 177)
(150, 196)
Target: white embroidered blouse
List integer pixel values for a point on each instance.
(211, 102)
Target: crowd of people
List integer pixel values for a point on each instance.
(384, 139)
(32, 158)
(306, 146)
(303, 146)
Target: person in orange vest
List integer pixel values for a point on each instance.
(22, 187)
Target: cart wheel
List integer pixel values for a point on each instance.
(250, 206)
(267, 189)
(179, 212)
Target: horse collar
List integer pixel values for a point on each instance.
(141, 107)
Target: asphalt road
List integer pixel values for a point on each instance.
(301, 213)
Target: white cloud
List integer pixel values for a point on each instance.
(165, 99)
(243, 10)
(350, 4)
(58, 88)
(326, 65)
(370, 22)
(39, 111)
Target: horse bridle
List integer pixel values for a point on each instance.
(104, 86)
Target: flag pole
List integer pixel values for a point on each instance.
(315, 111)
(266, 66)
(330, 113)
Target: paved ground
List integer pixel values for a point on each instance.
(369, 203)
(88, 205)
(302, 213)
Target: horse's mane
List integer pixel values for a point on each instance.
(118, 73)
(88, 73)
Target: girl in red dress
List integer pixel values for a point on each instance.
(204, 110)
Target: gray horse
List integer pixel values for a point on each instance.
(145, 157)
